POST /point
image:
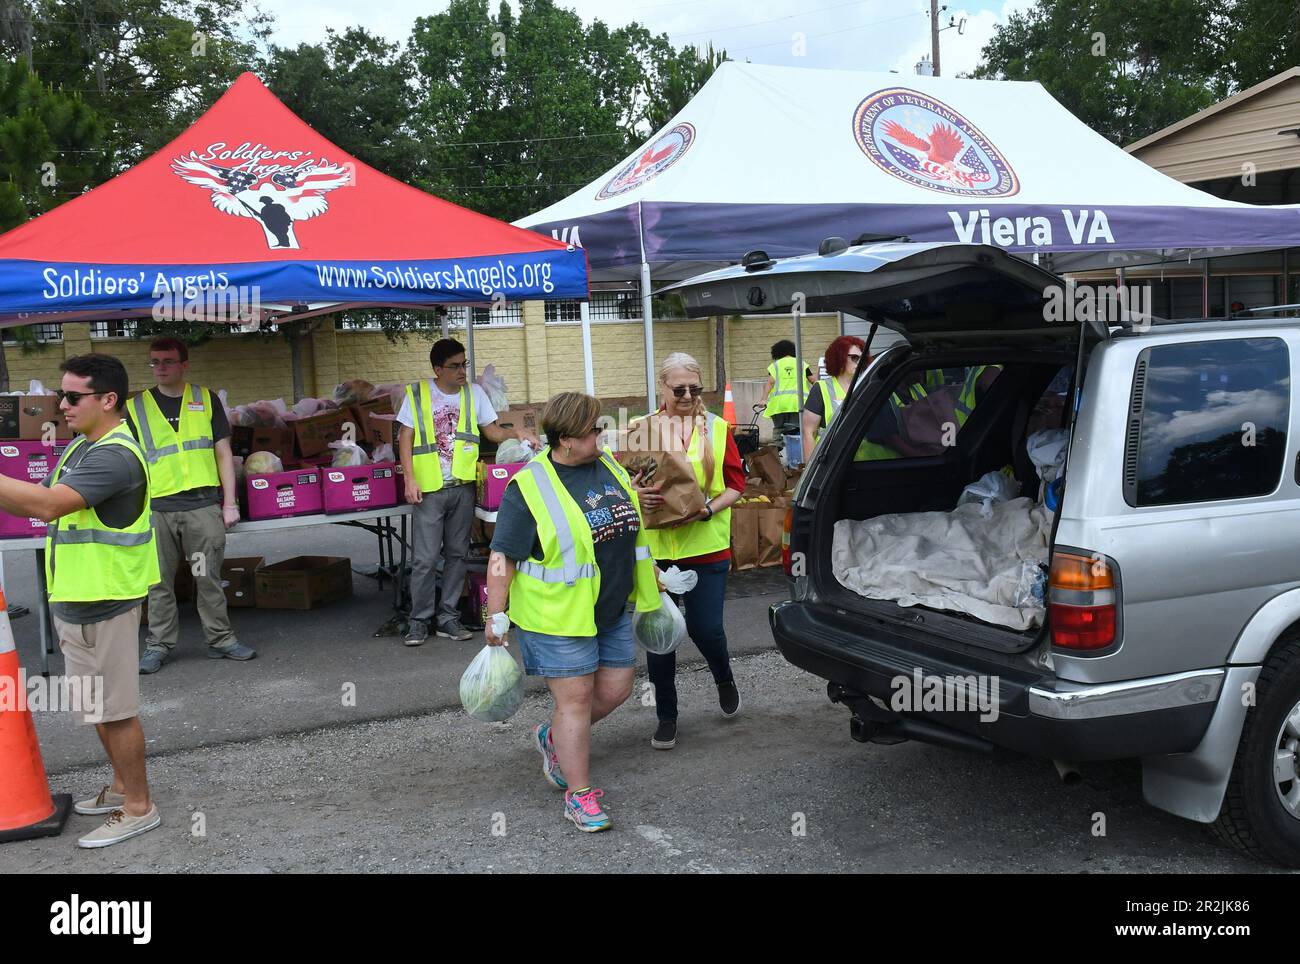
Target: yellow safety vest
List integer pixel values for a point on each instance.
(178, 460)
(785, 391)
(709, 535)
(557, 594)
(424, 444)
(832, 395)
(88, 561)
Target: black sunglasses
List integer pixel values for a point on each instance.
(74, 398)
(695, 390)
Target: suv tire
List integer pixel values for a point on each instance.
(1253, 817)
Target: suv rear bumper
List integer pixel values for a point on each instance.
(1036, 713)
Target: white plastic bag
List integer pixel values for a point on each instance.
(35, 387)
(384, 453)
(492, 687)
(512, 450)
(677, 582)
(1047, 452)
(990, 488)
(263, 463)
(495, 387)
(348, 454)
(661, 630)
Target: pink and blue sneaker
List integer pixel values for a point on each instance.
(581, 807)
(550, 762)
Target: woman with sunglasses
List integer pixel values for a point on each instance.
(842, 358)
(702, 545)
(569, 552)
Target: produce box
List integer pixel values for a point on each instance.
(303, 582)
(238, 580)
(359, 487)
(37, 411)
(281, 494)
(360, 414)
(492, 482)
(247, 439)
(314, 433)
(26, 462)
(381, 429)
(474, 606)
(529, 416)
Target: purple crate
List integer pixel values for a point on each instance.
(359, 487)
(282, 494)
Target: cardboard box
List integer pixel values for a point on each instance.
(359, 487)
(529, 416)
(238, 580)
(360, 414)
(381, 429)
(492, 482)
(314, 433)
(27, 462)
(37, 411)
(280, 494)
(303, 582)
(246, 439)
(9, 406)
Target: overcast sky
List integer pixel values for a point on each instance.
(847, 34)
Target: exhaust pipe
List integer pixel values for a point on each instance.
(1068, 773)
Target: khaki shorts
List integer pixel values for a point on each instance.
(105, 658)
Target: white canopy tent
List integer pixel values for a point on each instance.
(779, 158)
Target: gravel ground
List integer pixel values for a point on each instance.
(781, 788)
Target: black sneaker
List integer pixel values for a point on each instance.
(729, 698)
(417, 632)
(665, 737)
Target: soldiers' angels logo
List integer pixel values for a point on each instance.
(663, 152)
(275, 188)
(925, 142)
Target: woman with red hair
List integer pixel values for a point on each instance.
(843, 356)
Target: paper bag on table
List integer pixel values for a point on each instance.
(744, 537)
(770, 530)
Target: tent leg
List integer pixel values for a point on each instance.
(469, 344)
(584, 310)
(1205, 288)
(798, 354)
(647, 321)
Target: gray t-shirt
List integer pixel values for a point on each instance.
(204, 495)
(112, 481)
(614, 527)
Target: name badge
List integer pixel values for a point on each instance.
(195, 406)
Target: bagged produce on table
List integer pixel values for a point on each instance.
(352, 391)
(396, 392)
(512, 451)
(265, 414)
(384, 453)
(308, 406)
(765, 469)
(347, 454)
(493, 686)
(660, 630)
(262, 463)
(495, 388)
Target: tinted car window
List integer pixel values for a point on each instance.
(1209, 421)
(925, 415)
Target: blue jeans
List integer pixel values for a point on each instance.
(561, 656)
(704, 624)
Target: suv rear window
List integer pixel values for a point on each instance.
(925, 415)
(1207, 421)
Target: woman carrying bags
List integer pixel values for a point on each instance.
(702, 545)
(569, 552)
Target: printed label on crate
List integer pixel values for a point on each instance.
(307, 478)
(260, 483)
(286, 498)
(361, 490)
(383, 473)
(500, 474)
(336, 476)
(9, 451)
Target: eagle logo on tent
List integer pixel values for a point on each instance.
(660, 154)
(277, 199)
(923, 141)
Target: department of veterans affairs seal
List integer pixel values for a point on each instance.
(663, 152)
(925, 142)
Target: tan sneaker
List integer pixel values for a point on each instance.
(120, 826)
(106, 802)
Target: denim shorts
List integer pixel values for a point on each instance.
(560, 656)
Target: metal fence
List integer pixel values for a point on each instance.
(45, 333)
(605, 306)
(124, 328)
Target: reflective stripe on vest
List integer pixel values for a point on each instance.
(426, 465)
(176, 465)
(88, 561)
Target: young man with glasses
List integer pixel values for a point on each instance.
(441, 420)
(99, 564)
(186, 440)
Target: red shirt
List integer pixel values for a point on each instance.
(733, 477)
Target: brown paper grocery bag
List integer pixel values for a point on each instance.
(771, 527)
(744, 537)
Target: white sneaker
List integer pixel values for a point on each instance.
(120, 826)
(106, 802)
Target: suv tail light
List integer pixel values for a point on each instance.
(785, 541)
(1083, 610)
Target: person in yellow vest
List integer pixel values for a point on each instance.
(702, 545)
(442, 420)
(842, 358)
(780, 399)
(569, 553)
(185, 435)
(100, 561)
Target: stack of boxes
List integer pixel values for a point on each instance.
(33, 435)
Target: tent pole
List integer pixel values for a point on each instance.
(469, 343)
(1205, 288)
(798, 354)
(647, 321)
(584, 312)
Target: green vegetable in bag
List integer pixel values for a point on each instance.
(492, 687)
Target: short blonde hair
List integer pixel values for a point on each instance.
(569, 415)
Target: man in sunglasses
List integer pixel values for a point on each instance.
(100, 561)
(185, 435)
(441, 420)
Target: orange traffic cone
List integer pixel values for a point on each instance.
(729, 407)
(26, 808)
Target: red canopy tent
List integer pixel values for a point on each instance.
(252, 214)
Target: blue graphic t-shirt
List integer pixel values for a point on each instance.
(614, 527)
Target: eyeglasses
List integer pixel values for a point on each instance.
(74, 398)
(855, 358)
(163, 362)
(458, 367)
(695, 390)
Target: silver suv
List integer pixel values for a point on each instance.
(1170, 587)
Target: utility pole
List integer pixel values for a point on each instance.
(934, 35)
